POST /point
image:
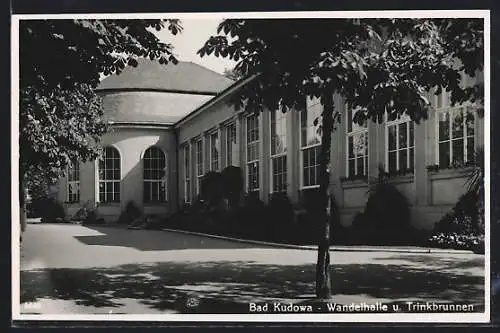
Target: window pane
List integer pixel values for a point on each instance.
(392, 161)
(469, 122)
(253, 175)
(470, 148)
(305, 153)
(351, 168)
(392, 137)
(403, 163)
(108, 163)
(444, 154)
(116, 187)
(351, 147)
(317, 175)
(444, 123)
(154, 191)
(349, 120)
(360, 167)
(305, 176)
(411, 140)
(458, 150)
(412, 159)
(117, 194)
(360, 145)
(403, 135)
(457, 125)
(147, 191)
(162, 191)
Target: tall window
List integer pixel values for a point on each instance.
(73, 183)
(199, 164)
(230, 143)
(278, 152)
(357, 147)
(109, 176)
(154, 175)
(455, 135)
(310, 143)
(187, 174)
(214, 151)
(400, 144)
(252, 136)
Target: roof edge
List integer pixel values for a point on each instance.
(223, 94)
(140, 124)
(174, 91)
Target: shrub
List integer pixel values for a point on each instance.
(386, 218)
(48, 209)
(91, 217)
(280, 217)
(251, 216)
(130, 213)
(232, 182)
(458, 241)
(81, 214)
(212, 188)
(459, 228)
(338, 233)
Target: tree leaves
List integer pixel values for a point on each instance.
(61, 62)
(376, 64)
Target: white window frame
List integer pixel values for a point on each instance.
(160, 182)
(229, 142)
(211, 146)
(307, 147)
(279, 116)
(199, 143)
(257, 160)
(73, 182)
(187, 172)
(360, 130)
(105, 181)
(400, 120)
(464, 138)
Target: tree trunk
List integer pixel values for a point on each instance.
(22, 205)
(323, 283)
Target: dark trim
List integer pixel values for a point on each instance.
(139, 124)
(174, 91)
(226, 92)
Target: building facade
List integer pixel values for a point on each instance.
(278, 152)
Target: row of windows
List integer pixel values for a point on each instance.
(455, 143)
(109, 177)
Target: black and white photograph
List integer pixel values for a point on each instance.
(258, 166)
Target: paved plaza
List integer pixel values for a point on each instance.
(74, 269)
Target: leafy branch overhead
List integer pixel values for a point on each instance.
(375, 64)
(61, 63)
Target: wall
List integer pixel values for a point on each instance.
(131, 143)
(150, 105)
(430, 195)
(209, 118)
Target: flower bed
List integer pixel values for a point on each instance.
(458, 241)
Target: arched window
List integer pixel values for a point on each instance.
(154, 175)
(109, 175)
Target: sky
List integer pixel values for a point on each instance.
(192, 38)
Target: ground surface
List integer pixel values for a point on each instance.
(72, 269)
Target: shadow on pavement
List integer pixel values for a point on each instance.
(433, 260)
(149, 240)
(227, 287)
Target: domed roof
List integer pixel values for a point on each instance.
(186, 77)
